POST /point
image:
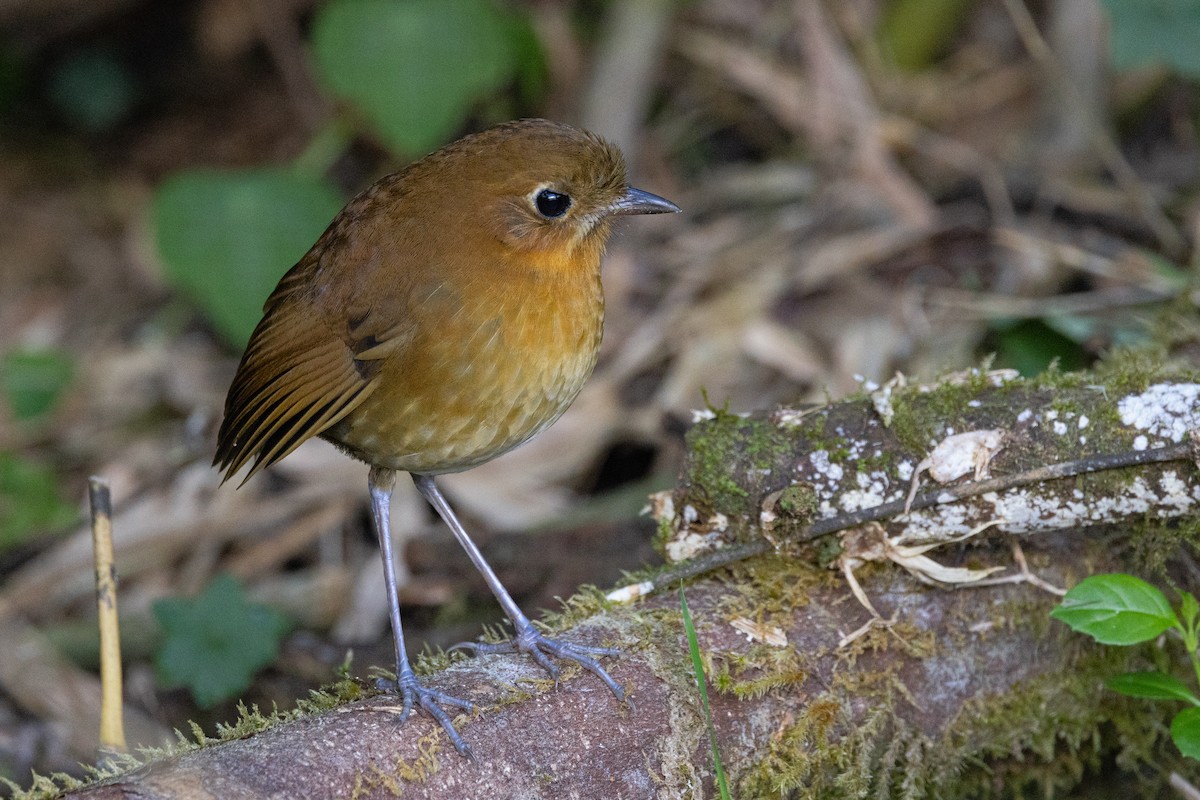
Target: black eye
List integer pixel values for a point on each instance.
(551, 203)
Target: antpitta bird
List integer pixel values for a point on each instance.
(449, 313)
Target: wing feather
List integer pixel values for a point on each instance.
(265, 403)
(325, 334)
(297, 378)
(290, 432)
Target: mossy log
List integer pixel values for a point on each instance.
(968, 692)
(985, 449)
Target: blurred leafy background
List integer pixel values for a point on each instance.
(870, 186)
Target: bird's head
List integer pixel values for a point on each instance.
(543, 190)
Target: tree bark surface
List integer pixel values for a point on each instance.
(916, 702)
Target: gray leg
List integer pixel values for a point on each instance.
(381, 482)
(526, 637)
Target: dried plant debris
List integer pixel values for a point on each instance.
(957, 455)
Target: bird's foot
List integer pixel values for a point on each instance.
(412, 692)
(529, 640)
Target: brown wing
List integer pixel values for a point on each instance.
(315, 355)
(298, 377)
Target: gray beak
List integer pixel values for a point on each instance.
(635, 201)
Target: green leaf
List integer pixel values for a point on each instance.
(1152, 686)
(1116, 609)
(33, 380)
(1189, 608)
(1029, 346)
(227, 237)
(215, 643)
(1185, 732)
(1155, 32)
(29, 501)
(915, 32)
(415, 69)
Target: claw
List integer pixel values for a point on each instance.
(411, 691)
(529, 640)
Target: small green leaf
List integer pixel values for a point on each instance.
(1030, 345)
(226, 237)
(33, 380)
(215, 643)
(1155, 32)
(915, 32)
(29, 500)
(416, 69)
(1116, 609)
(1188, 608)
(1185, 732)
(1152, 686)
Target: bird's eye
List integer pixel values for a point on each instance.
(551, 204)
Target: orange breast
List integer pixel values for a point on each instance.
(496, 359)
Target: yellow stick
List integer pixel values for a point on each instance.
(112, 726)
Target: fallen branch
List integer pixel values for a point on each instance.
(790, 708)
(1074, 455)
